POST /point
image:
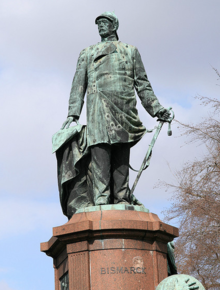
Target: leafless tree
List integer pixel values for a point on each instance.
(196, 202)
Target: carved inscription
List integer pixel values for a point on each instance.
(123, 270)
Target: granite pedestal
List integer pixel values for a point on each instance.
(110, 247)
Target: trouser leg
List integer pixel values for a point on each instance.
(101, 173)
(120, 172)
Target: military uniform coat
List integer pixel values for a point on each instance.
(110, 72)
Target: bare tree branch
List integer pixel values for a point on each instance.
(196, 202)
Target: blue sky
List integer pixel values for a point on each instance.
(39, 46)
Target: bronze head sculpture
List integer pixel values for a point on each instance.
(107, 24)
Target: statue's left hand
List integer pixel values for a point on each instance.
(163, 114)
(67, 123)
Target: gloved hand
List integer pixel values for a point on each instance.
(163, 114)
(68, 121)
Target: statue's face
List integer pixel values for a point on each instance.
(105, 27)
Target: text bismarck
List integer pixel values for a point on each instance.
(123, 270)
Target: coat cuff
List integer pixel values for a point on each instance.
(150, 102)
(75, 109)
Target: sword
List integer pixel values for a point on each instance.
(147, 157)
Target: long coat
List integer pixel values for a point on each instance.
(109, 72)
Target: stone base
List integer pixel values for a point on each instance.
(110, 249)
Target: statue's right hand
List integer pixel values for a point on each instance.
(67, 123)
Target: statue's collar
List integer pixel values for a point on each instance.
(109, 38)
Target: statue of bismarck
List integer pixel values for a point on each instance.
(110, 71)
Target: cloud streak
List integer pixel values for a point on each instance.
(19, 217)
(40, 44)
(4, 286)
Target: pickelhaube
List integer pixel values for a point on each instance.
(110, 16)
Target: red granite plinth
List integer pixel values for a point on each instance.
(112, 249)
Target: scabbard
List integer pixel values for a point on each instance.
(147, 157)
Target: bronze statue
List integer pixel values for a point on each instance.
(93, 169)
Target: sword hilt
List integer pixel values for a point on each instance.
(169, 120)
(169, 132)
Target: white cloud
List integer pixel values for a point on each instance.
(5, 286)
(40, 45)
(18, 217)
(4, 270)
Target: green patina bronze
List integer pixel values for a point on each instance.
(171, 264)
(93, 160)
(114, 207)
(180, 282)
